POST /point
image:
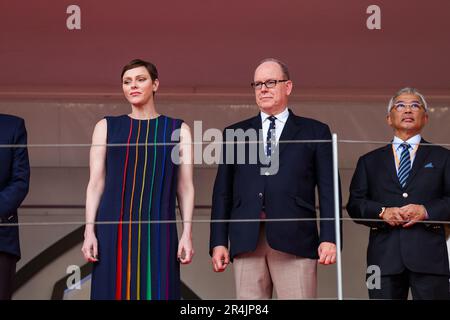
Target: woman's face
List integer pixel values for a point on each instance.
(138, 86)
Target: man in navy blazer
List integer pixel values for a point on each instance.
(280, 255)
(14, 181)
(403, 190)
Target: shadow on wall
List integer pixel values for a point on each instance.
(60, 290)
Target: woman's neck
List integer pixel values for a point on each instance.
(143, 112)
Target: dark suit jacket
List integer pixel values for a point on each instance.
(422, 247)
(241, 191)
(14, 180)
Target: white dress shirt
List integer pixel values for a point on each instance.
(414, 143)
(397, 146)
(279, 125)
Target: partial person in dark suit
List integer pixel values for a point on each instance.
(14, 180)
(279, 254)
(402, 189)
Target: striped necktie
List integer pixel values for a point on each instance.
(404, 167)
(270, 136)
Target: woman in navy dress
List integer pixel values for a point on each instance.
(139, 164)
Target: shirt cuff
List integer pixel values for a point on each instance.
(426, 214)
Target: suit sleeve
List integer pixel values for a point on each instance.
(221, 200)
(14, 193)
(324, 167)
(359, 205)
(439, 209)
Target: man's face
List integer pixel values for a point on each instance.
(271, 100)
(408, 119)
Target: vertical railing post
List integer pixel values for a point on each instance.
(337, 216)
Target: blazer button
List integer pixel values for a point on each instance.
(260, 195)
(405, 195)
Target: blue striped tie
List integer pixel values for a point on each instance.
(404, 167)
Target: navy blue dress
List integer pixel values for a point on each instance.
(137, 259)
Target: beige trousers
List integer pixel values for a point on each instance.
(257, 273)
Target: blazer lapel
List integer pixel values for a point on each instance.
(256, 124)
(291, 127)
(421, 154)
(388, 159)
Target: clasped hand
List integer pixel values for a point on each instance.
(405, 216)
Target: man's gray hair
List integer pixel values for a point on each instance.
(283, 66)
(408, 90)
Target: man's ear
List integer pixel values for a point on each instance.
(289, 86)
(389, 120)
(426, 119)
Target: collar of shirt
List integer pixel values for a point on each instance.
(279, 125)
(282, 116)
(396, 146)
(413, 142)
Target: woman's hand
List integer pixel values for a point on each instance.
(185, 250)
(90, 248)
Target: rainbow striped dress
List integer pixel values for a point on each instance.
(137, 259)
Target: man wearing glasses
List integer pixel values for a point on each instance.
(403, 190)
(282, 253)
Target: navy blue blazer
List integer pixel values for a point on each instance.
(242, 192)
(14, 180)
(422, 247)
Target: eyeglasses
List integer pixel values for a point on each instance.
(269, 84)
(415, 106)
